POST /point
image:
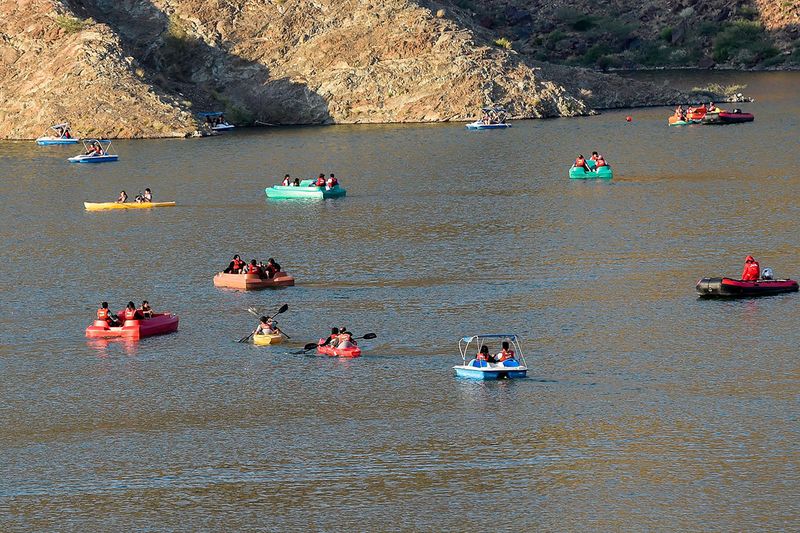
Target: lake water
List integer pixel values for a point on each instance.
(645, 408)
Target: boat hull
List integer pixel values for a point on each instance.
(159, 324)
(252, 282)
(724, 117)
(736, 288)
(93, 159)
(490, 372)
(104, 206)
(267, 339)
(304, 192)
(49, 141)
(338, 352)
(481, 126)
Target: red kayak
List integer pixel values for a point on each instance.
(159, 324)
(353, 351)
(736, 288)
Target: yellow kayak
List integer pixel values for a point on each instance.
(267, 338)
(127, 205)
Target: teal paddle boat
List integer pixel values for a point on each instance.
(605, 173)
(506, 364)
(307, 190)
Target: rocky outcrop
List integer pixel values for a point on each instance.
(50, 72)
(135, 68)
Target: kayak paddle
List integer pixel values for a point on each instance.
(282, 309)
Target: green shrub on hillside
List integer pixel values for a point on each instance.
(71, 24)
(743, 41)
(666, 34)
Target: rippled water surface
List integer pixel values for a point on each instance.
(645, 408)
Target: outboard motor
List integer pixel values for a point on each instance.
(767, 274)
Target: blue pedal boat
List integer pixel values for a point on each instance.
(92, 155)
(473, 368)
(63, 136)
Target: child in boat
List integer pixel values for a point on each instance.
(122, 198)
(600, 162)
(333, 338)
(286, 180)
(267, 326)
(505, 354)
(320, 181)
(252, 268)
(331, 183)
(146, 310)
(131, 313)
(148, 195)
(104, 314)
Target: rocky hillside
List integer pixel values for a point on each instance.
(143, 68)
(644, 33)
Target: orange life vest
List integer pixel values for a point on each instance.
(505, 355)
(320, 182)
(130, 314)
(238, 264)
(103, 314)
(579, 162)
(601, 163)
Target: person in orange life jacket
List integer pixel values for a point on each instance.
(146, 310)
(122, 198)
(331, 183)
(131, 313)
(272, 268)
(104, 314)
(752, 270)
(252, 268)
(235, 266)
(286, 180)
(505, 354)
(484, 355)
(320, 181)
(595, 156)
(580, 162)
(600, 163)
(345, 339)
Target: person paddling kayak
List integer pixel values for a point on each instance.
(266, 326)
(752, 270)
(345, 339)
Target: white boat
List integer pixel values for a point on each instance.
(478, 369)
(64, 136)
(216, 121)
(494, 118)
(92, 155)
(224, 126)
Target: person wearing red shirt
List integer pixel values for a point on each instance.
(752, 270)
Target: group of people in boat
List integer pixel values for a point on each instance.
(320, 181)
(504, 354)
(493, 116)
(238, 266)
(599, 161)
(140, 198)
(267, 326)
(215, 120)
(340, 338)
(684, 114)
(94, 149)
(63, 132)
(131, 312)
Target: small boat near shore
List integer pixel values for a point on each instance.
(737, 288)
(97, 151)
(252, 282)
(306, 191)
(494, 118)
(605, 173)
(105, 206)
(158, 324)
(478, 369)
(64, 136)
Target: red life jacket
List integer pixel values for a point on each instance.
(752, 271)
(130, 314)
(238, 264)
(481, 357)
(103, 314)
(594, 157)
(320, 182)
(580, 162)
(601, 163)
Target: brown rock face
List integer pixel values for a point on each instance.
(136, 68)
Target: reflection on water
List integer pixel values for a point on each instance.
(645, 407)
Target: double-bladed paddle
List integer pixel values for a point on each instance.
(282, 309)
